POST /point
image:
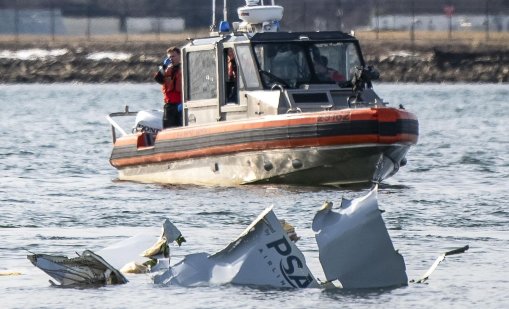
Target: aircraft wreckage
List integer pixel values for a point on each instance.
(265, 254)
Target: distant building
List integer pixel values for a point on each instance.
(48, 22)
(141, 16)
(440, 22)
(31, 21)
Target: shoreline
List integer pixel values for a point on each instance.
(397, 62)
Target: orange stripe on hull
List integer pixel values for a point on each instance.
(267, 145)
(380, 114)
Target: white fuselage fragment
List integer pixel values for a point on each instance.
(355, 247)
(262, 255)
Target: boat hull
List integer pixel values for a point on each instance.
(324, 148)
(338, 165)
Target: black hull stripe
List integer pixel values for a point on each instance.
(318, 130)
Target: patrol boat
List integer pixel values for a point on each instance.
(300, 109)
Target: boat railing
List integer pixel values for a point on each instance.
(115, 125)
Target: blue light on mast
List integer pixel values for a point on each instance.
(224, 26)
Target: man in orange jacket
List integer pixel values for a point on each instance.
(171, 80)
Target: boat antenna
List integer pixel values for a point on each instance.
(225, 10)
(213, 25)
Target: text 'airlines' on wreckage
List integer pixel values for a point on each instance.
(301, 110)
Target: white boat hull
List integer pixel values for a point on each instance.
(333, 165)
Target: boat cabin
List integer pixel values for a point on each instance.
(241, 75)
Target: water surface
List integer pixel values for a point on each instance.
(59, 195)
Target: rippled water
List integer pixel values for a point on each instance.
(58, 194)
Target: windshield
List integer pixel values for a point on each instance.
(296, 63)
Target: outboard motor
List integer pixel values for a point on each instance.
(149, 121)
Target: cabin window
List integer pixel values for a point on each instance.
(282, 63)
(248, 66)
(293, 64)
(339, 57)
(201, 75)
(333, 52)
(329, 61)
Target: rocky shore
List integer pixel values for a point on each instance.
(439, 63)
(396, 62)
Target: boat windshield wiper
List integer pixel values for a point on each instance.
(274, 78)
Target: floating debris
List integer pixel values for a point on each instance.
(130, 256)
(439, 259)
(355, 251)
(355, 247)
(86, 269)
(263, 255)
